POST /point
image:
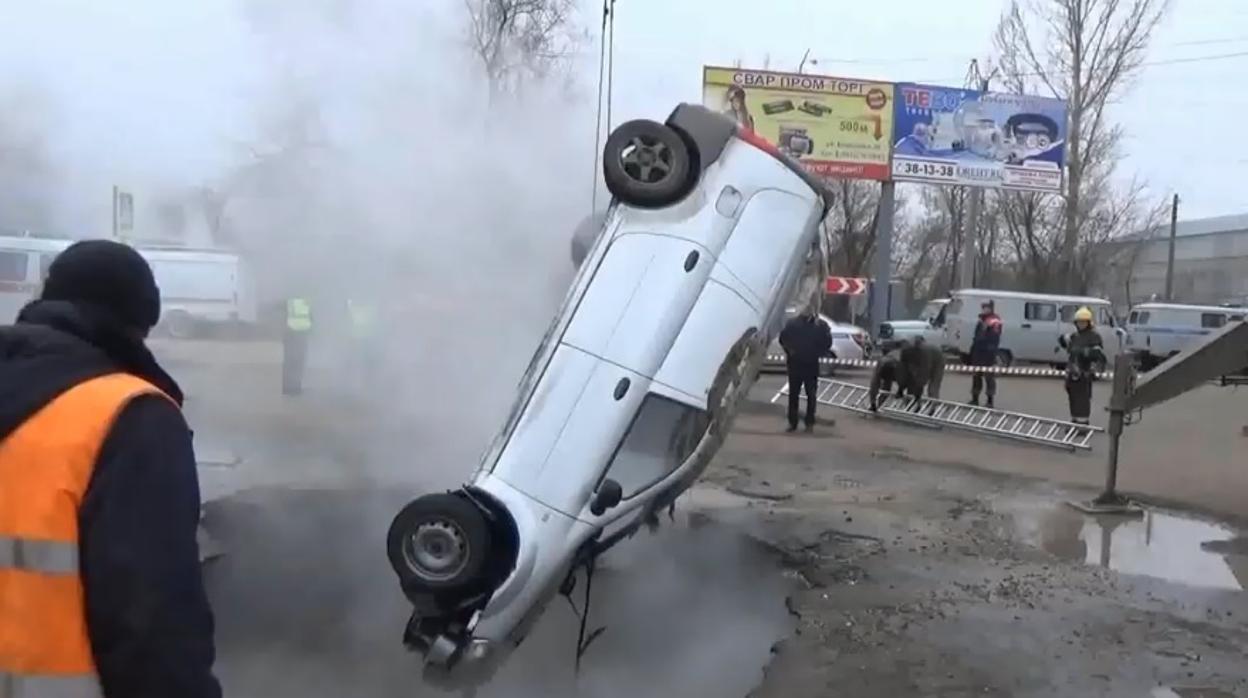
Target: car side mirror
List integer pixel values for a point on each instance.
(609, 494)
(1061, 341)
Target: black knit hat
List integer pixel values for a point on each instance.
(106, 275)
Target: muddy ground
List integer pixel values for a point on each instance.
(942, 581)
(867, 559)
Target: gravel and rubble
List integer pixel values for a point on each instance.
(920, 579)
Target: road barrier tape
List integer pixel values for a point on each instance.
(1020, 371)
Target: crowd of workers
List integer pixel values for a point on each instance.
(916, 368)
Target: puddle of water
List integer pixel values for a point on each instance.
(1161, 545)
(1190, 692)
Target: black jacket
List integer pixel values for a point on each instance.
(986, 341)
(147, 613)
(1086, 352)
(805, 340)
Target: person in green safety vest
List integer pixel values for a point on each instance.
(295, 344)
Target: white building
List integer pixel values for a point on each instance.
(1210, 264)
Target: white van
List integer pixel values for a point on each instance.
(200, 287)
(1030, 323)
(24, 263)
(1157, 331)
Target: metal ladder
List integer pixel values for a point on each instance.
(933, 413)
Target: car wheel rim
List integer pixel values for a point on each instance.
(436, 550)
(647, 160)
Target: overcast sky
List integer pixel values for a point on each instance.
(146, 90)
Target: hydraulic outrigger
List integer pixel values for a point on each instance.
(1219, 357)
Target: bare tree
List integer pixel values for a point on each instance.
(851, 225)
(520, 39)
(927, 248)
(1086, 52)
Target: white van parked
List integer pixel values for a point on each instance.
(24, 263)
(200, 287)
(1157, 331)
(1030, 323)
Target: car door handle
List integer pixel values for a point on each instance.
(1027, 325)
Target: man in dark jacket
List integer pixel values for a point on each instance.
(1084, 347)
(805, 339)
(914, 365)
(984, 347)
(148, 621)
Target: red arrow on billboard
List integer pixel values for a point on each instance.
(845, 286)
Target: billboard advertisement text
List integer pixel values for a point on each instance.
(950, 135)
(836, 127)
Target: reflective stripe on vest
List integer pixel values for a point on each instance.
(47, 556)
(18, 686)
(298, 315)
(45, 468)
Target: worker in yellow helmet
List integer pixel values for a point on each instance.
(1085, 356)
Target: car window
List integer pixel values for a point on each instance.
(661, 437)
(1107, 318)
(1143, 318)
(1237, 318)
(12, 266)
(1212, 320)
(1041, 312)
(954, 307)
(1133, 317)
(940, 316)
(1067, 313)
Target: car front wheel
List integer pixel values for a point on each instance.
(439, 543)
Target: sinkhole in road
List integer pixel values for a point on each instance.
(307, 605)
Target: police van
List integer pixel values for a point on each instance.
(1157, 331)
(197, 287)
(24, 263)
(1030, 323)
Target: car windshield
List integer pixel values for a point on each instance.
(930, 311)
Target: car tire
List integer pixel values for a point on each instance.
(647, 164)
(179, 324)
(1005, 358)
(828, 370)
(439, 543)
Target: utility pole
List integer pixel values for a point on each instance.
(970, 225)
(802, 65)
(115, 231)
(880, 288)
(1174, 229)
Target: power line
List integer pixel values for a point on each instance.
(1145, 64)
(815, 60)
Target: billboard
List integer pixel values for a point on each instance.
(836, 127)
(949, 135)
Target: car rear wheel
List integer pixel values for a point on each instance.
(1005, 358)
(179, 324)
(647, 164)
(439, 542)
